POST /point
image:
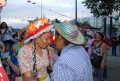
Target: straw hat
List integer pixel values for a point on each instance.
(70, 32)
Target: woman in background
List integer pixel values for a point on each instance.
(13, 54)
(6, 34)
(100, 48)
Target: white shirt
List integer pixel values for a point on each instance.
(7, 35)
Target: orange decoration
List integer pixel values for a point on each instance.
(37, 26)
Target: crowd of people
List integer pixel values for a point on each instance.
(32, 56)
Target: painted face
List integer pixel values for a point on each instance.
(44, 40)
(98, 37)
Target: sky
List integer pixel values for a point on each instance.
(17, 12)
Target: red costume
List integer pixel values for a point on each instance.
(3, 75)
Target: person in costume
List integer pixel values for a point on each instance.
(33, 56)
(13, 54)
(74, 63)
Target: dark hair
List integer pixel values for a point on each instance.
(0, 31)
(1, 25)
(22, 35)
(101, 35)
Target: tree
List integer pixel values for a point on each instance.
(84, 23)
(102, 7)
(114, 29)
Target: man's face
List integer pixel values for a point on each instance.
(59, 41)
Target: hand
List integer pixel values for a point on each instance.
(102, 66)
(50, 67)
(52, 52)
(17, 70)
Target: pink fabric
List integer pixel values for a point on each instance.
(89, 43)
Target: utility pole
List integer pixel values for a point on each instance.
(111, 27)
(76, 12)
(119, 20)
(105, 25)
(41, 8)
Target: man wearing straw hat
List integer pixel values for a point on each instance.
(74, 63)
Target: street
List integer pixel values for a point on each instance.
(113, 67)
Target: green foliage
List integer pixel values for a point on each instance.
(116, 18)
(102, 7)
(114, 29)
(84, 23)
(56, 20)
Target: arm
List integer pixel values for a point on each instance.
(104, 51)
(27, 76)
(14, 67)
(52, 53)
(11, 60)
(51, 58)
(10, 31)
(24, 65)
(92, 42)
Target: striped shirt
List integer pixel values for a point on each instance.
(73, 65)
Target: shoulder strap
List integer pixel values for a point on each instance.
(99, 45)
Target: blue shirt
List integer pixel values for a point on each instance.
(73, 65)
